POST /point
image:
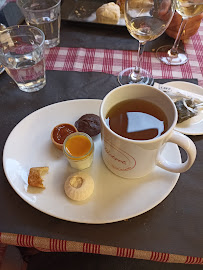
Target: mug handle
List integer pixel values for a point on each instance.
(189, 147)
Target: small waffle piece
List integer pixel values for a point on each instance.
(35, 176)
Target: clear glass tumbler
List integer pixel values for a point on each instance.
(46, 15)
(22, 55)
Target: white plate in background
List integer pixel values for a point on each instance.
(194, 125)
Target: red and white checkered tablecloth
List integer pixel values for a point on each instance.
(113, 61)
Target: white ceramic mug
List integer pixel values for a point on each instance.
(136, 158)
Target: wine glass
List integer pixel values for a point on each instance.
(2, 27)
(176, 56)
(145, 20)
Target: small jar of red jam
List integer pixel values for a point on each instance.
(60, 132)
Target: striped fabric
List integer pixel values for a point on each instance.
(56, 245)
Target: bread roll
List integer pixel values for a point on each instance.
(108, 13)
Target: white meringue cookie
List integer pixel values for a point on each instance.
(79, 186)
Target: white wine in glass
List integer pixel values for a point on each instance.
(145, 20)
(188, 9)
(176, 56)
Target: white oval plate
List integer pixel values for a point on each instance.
(194, 125)
(114, 198)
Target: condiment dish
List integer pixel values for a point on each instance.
(60, 132)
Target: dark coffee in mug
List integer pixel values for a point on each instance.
(137, 119)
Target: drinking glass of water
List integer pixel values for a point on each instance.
(22, 55)
(46, 15)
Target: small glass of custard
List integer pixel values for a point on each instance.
(78, 148)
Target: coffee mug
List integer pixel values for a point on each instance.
(132, 158)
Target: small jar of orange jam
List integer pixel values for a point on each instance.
(78, 147)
